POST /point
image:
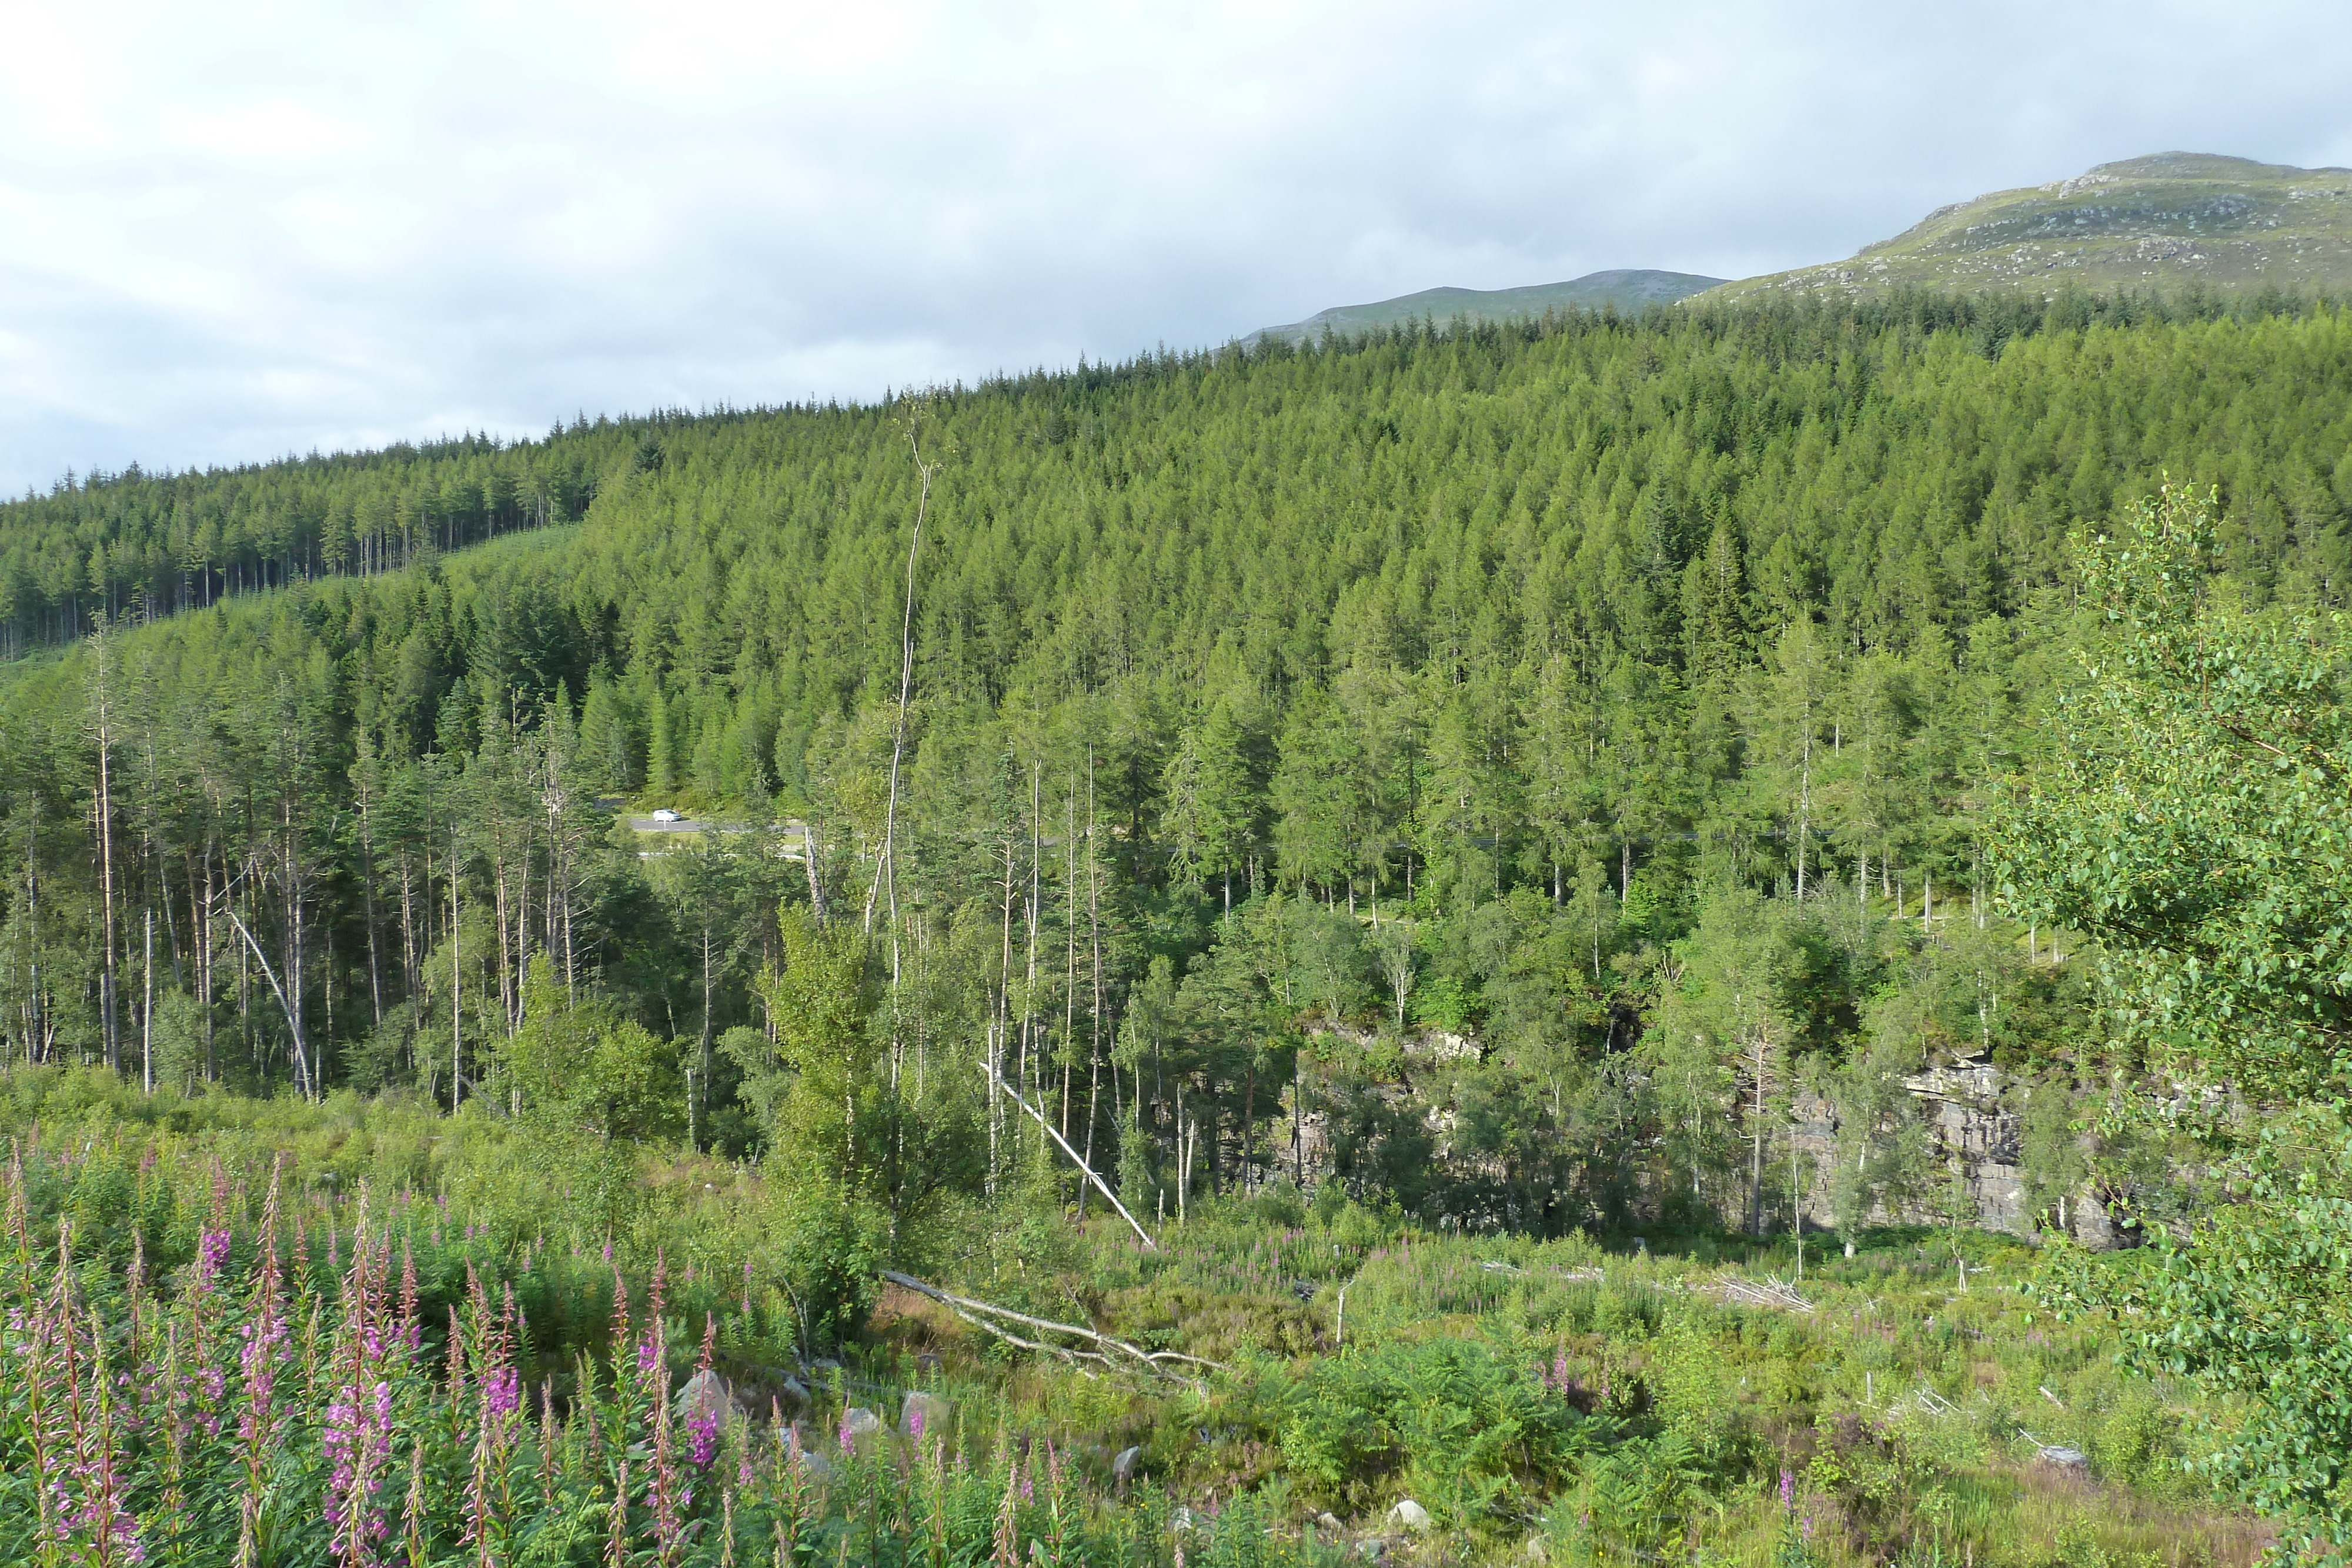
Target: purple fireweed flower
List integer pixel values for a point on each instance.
(357, 1442)
(503, 1392)
(1787, 1490)
(915, 1422)
(96, 1519)
(211, 1254)
(702, 1436)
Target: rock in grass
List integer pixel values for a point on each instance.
(857, 1423)
(924, 1415)
(1123, 1468)
(1329, 1523)
(792, 1397)
(1410, 1515)
(706, 1398)
(2065, 1459)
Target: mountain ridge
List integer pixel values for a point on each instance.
(1626, 289)
(2161, 221)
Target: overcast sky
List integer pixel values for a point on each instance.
(231, 231)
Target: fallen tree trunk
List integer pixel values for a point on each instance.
(965, 1307)
(1076, 1158)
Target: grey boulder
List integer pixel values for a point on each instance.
(705, 1397)
(924, 1415)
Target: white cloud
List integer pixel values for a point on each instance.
(230, 232)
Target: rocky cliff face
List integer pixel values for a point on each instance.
(1972, 1110)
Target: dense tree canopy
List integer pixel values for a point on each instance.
(1617, 699)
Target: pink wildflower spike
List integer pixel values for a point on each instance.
(702, 1437)
(212, 1256)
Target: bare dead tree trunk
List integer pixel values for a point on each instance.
(1069, 943)
(102, 731)
(887, 864)
(457, 979)
(1805, 793)
(1756, 1175)
(1094, 937)
(293, 1014)
(147, 1011)
(1003, 1021)
(811, 854)
(367, 877)
(1034, 913)
(709, 999)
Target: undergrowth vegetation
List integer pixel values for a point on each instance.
(272, 1333)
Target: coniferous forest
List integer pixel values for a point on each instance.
(1654, 851)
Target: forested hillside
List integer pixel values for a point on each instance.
(1621, 699)
(1266, 959)
(126, 548)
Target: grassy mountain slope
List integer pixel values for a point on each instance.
(1625, 289)
(2168, 220)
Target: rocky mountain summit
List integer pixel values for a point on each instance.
(2160, 224)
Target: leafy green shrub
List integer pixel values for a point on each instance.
(2137, 1440)
(1635, 1503)
(1460, 1430)
(1687, 1380)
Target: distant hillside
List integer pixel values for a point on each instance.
(1627, 290)
(2161, 222)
